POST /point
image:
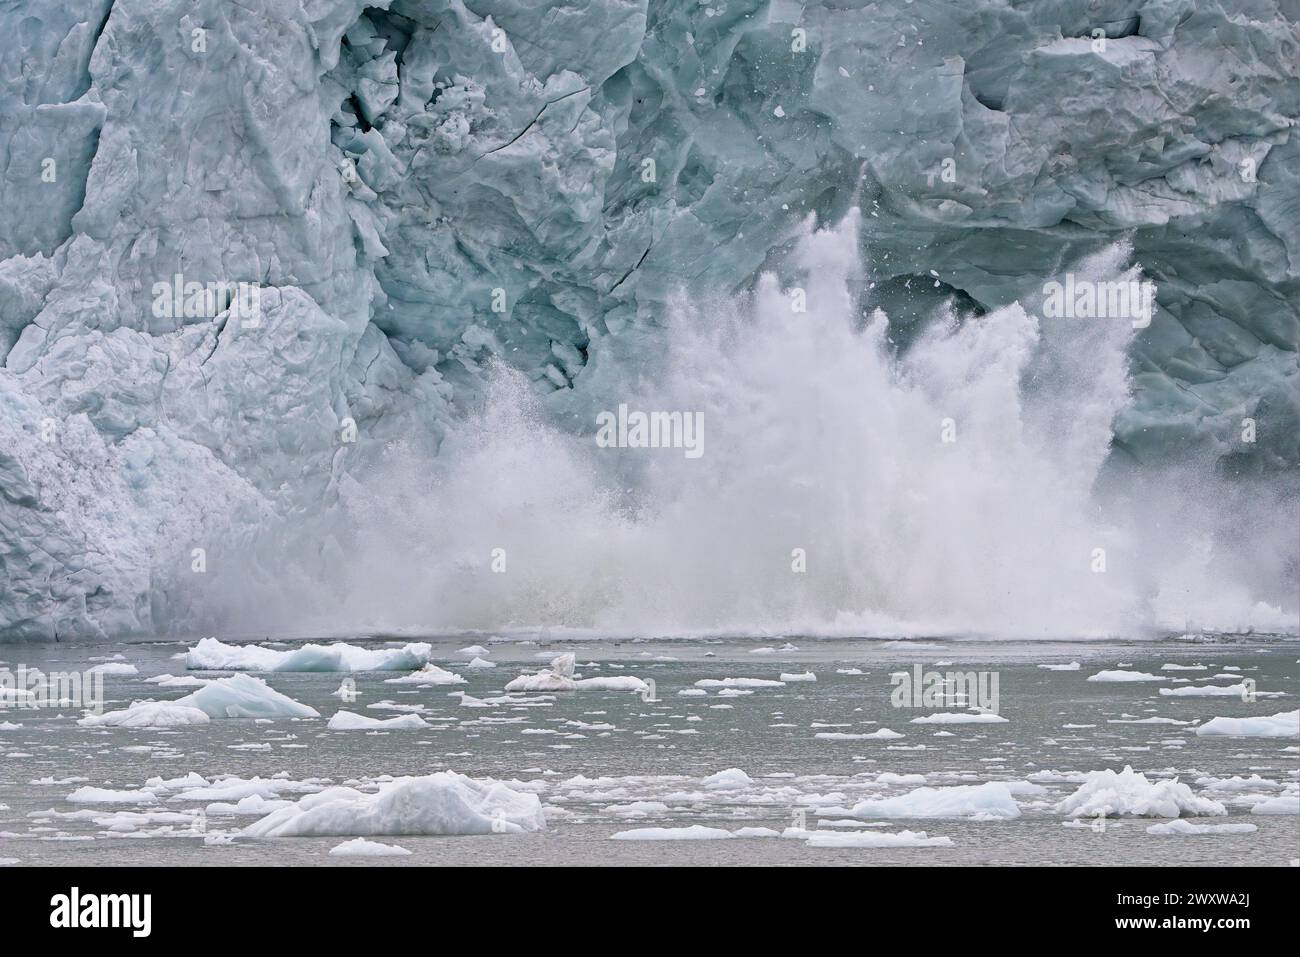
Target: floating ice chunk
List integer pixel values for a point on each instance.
(989, 801)
(1181, 826)
(802, 676)
(1283, 725)
(875, 839)
(1121, 676)
(213, 655)
(479, 663)
(883, 734)
(147, 714)
(849, 671)
(1282, 804)
(1154, 719)
(114, 668)
(960, 718)
(178, 681)
(1178, 667)
(693, 693)
(1072, 666)
(731, 779)
(429, 674)
(350, 721)
(739, 683)
(1129, 793)
(9, 726)
(475, 650)
(440, 803)
(695, 832)
(243, 696)
(1243, 691)
(360, 847)
(755, 832)
(559, 677)
(89, 795)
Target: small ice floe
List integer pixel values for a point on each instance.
(428, 675)
(1283, 725)
(440, 803)
(1121, 676)
(1284, 804)
(875, 839)
(114, 668)
(1178, 667)
(731, 779)
(477, 651)
(177, 681)
(882, 734)
(693, 693)
(1242, 690)
(1154, 719)
(478, 664)
(89, 795)
(560, 677)
(802, 676)
(980, 717)
(213, 655)
(147, 714)
(849, 671)
(9, 726)
(360, 847)
(1129, 793)
(1181, 826)
(989, 801)
(350, 721)
(695, 832)
(739, 683)
(762, 651)
(1072, 666)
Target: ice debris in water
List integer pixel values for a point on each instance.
(213, 655)
(440, 803)
(989, 801)
(1285, 724)
(1129, 793)
(360, 847)
(559, 677)
(350, 721)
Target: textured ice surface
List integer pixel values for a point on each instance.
(243, 696)
(148, 714)
(990, 801)
(420, 187)
(213, 655)
(441, 803)
(1109, 794)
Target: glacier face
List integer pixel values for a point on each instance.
(423, 187)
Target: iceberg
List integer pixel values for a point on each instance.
(243, 696)
(1129, 793)
(989, 801)
(213, 655)
(559, 677)
(147, 714)
(360, 847)
(350, 721)
(440, 803)
(1285, 724)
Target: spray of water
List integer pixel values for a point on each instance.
(845, 487)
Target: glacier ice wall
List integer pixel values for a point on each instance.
(423, 188)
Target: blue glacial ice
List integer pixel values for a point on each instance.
(474, 225)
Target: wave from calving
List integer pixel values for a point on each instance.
(845, 485)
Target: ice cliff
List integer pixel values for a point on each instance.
(418, 188)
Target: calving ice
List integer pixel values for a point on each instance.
(651, 430)
(74, 910)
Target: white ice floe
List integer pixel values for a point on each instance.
(989, 801)
(801, 676)
(1181, 826)
(89, 795)
(695, 832)
(731, 779)
(1284, 804)
(960, 718)
(350, 721)
(360, 847)
(243, 696)
(114, 668)
(1283, 725)
(849, 671)
(559, 677)
(1178, 667)
(1129, 793)
(428, 674)
(147, 714)
(883, 734)
(1242, 690)
(739, 683)
(1072, 666)
(479, 663)
(875, 839)
(476, 650)
(440, 803)
(213, 655)
(1122, 676)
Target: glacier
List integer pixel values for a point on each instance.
(473, 225)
